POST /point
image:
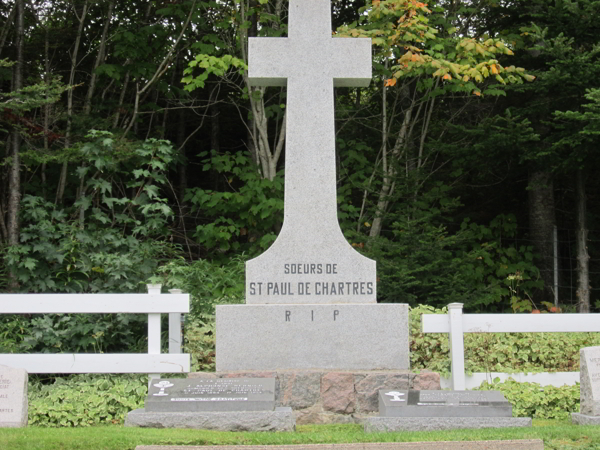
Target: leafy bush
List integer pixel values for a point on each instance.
(534, 400)
(85, 400)
(209, 284)
(497, 352)
(247, 214)
(419, 258)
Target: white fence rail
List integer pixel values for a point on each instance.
(557, 379)
(153, 303)
(455, 323)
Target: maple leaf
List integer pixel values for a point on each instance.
(391, 82)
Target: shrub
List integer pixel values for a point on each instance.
(534, 400)
(497, 352)
(85, 400)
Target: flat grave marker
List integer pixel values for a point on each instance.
(443, 404)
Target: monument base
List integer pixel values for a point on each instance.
(386, 424)
(282, 419)
(312, 336)
(583, 419)
(333, 396)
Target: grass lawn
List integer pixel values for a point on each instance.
(556, 435)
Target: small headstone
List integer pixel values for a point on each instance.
(589, 373)
(220, 394)
(401, 410)
(443, 404)
(13, 397)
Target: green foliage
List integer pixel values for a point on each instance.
(209, 284)
(85, 400)
(536, 401)
(497, 352)
(402, 28)
(246, 215)
(420, 258)
(105, 243)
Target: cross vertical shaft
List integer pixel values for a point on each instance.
(310, 62)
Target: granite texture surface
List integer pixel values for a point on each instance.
(301, 337)
(589, 362)
(13, 397)
(384, 424)
(583, 419)
(438, 403)
(310, 261)
(517, 444)
(282, 419)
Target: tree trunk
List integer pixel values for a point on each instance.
(64, 170)
(266, 157)
(6, 27)
(99, 60)
(583, 258)
(14, 181)
(542, 218)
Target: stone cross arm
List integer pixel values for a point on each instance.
(309, 52)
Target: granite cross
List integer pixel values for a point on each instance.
(310, 62)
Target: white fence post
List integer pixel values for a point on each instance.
(153, 330)
(175, 328)
(457, 346)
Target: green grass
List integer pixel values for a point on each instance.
(557, 435)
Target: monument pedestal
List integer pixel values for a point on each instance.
(321, 396)
(312, 336)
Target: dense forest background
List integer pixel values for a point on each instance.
(133, 149)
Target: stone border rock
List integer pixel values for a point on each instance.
(282, 419)
(334, 396)
(386, 424)
(583, 419)
(518, 444)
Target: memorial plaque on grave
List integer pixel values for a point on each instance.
(590, 380)
(13, 397)
(220, 394)
(443, 404)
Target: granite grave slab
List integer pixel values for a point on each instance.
(589, 372)
(310, 261)
(13, 397)
(225, 404)
(403, 403)
(221, 394)
(402, 410)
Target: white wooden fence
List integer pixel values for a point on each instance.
(153, 303)
(455, 323)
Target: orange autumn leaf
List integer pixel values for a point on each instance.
(494, 69)
(477, 93)
(391, 82)
(447, 77)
